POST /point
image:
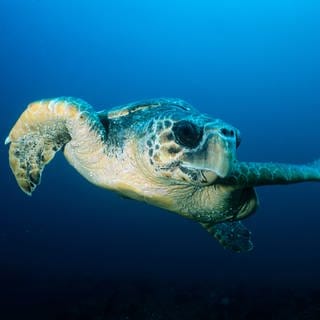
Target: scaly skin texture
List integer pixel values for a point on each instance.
(233, 197)
(160, 151)
(251, 174)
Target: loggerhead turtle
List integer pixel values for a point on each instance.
(161, 151)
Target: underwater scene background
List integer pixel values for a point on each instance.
(74, 251)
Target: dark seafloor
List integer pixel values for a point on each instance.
(76, 252)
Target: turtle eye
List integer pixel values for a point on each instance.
(187, 134)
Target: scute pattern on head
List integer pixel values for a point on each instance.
(160, 142)
(163, 145)
(153, 120)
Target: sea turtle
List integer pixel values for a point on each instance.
(161, 151)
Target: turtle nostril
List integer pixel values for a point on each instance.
(229, 133)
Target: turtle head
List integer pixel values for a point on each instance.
(191, 148)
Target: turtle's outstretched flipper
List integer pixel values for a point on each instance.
(251, 174)
(231, 235)
(44, 128)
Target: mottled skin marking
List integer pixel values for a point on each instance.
(161, 143)
(160, 151)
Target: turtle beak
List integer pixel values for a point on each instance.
(217, 153)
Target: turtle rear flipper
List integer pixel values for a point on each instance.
(44, 128)
(231, 235)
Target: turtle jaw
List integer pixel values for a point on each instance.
(214, 159)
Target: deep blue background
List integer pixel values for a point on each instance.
(254, 64)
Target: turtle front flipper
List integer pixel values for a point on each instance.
(250, 174)
(47, 126)
(231, 235)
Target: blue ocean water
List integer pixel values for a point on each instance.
(254, 64)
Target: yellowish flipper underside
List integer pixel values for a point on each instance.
(42, 130)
